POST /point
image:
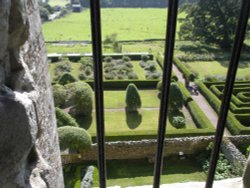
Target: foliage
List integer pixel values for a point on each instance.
(176, 99)
(178, 122)
(248, 151)
(223, 169)
(64, 66)
(126, 59)
(66, 78)
(212, 22)
(74, 138)
(80, 95)
(64, 119)
(59, 95)
(108, 59)
(133, 99)
(110, 39)
(144, 58)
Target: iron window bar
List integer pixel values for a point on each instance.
(228, 89)
(98, 73)
(166, 79)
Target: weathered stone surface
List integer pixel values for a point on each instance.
(30, 155)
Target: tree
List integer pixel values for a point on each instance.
(80, 97)
(176, 99)
(66, 78)
(74, 138)
(211, 21)
(133, 99)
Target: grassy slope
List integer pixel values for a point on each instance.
(128, 23)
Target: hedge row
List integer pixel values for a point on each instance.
(140, 135)
(197, 114)
(239, 103)
(186, 72)
(159, 60)
(244, 96)
(208, 84)
(122, 84)
(234, 126)
(76, 57)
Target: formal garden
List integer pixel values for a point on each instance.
(133, 47)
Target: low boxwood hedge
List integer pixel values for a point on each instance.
(233, 125)
(186, 72)
(244, 96)
(122, 84)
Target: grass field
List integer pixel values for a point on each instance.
(58, 2)
(128, 23)
(148, 97)
(140, 172)
(212, 68)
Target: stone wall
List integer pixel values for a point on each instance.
(30, 155)
(141, 149)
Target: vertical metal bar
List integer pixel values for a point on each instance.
(166, 79)
(231, 74)
(97, 56)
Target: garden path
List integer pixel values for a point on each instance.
(202, 102)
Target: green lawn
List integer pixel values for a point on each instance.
(118, 121)
(213, 68)
(139, 172)
(148, 97)
(128, 23)
(58, 2)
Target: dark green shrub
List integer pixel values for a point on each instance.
(108, 59)
(66, 78)
(64, 66)
(126, 59)
(64, 119)
(133, 99)
(128, 64)
(59, 95)
(109, 76)
(178, 122)
(133, 76)
(176, 99)
(82, 76)
(152, 75)
(151, 67)
(144, 58)
(74, 138)
(143, 64)
(80, 97)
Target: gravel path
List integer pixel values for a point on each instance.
(202, 102)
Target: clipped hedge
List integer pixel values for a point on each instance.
(159, 60)
(74, 138)
(239, 103)
(186, 72)
(64, 119)
(244, 96)
(233, 125)
(140, 135)
(122, 84)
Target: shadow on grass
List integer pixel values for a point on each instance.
(84, 121)
(133, 119)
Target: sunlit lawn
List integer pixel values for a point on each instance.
(58, 2)
(212, 68)
(128, 23)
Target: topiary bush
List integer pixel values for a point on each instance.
(144, 58)
(64, 119)
(66, 78)
(176, 99)
(64, 66)
(59, 95)
(133, 99)
(178, 122)
(108, 59)
(133, 76)
(80, 97)
(74, 138)
(126, 59)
